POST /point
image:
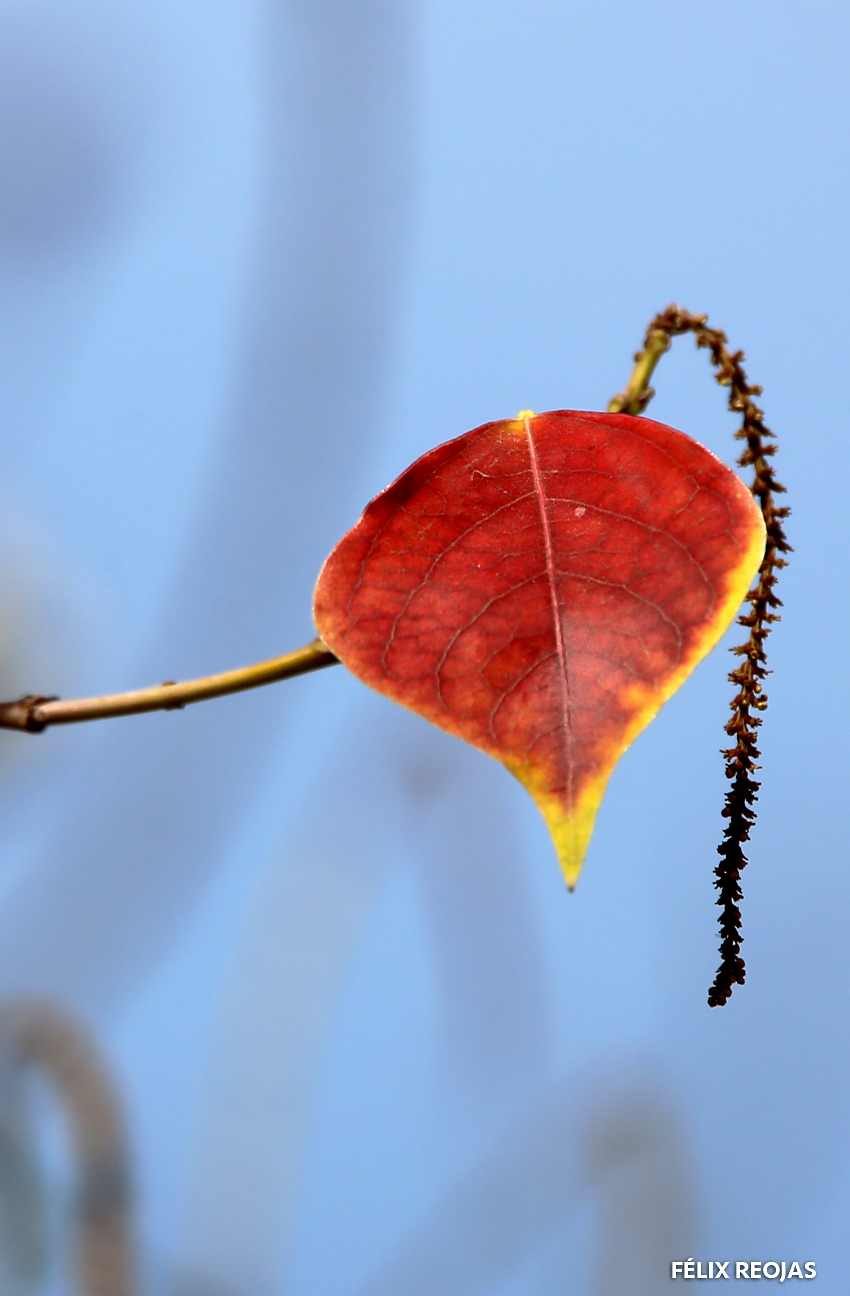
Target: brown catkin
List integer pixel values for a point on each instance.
(750, 698)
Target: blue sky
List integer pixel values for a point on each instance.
(254, 258)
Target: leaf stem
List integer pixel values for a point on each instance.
(34, 713)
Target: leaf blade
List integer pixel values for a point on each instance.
(540, 587)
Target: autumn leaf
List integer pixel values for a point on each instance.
(540, 587)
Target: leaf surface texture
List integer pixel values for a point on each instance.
(540, 587)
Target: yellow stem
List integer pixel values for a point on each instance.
(34, 713)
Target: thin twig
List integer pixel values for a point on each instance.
(750, 697)
(638, 393)
(34, 713)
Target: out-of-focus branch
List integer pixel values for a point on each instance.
(34, 712)
(42, 1035)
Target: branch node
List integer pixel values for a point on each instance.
(22, 714)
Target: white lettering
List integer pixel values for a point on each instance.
(721, 1268)
(810, 1264)
(755, 1265)
(770, 1264)
(795, 1271)
(742, 1269)
(700, 1273)
(782, 1279)
(689, 1267)
(676, 1265)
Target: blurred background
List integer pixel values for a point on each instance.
(255, 256)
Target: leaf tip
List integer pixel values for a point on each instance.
(571, 831)
(571, 853)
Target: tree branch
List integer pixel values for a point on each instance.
(34, 713)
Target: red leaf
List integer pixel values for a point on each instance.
(540, 587)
